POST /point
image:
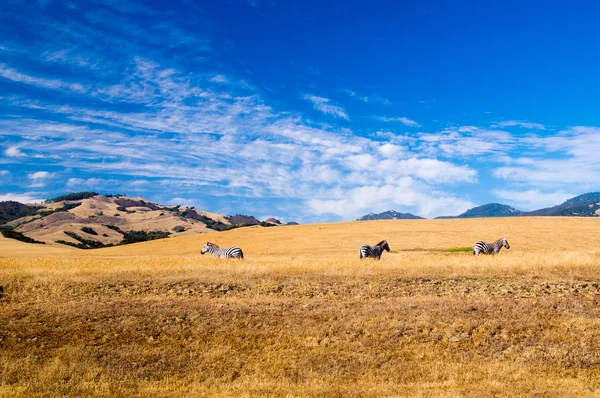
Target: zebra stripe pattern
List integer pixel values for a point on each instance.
(373, 251)
(225, 252)
(490, 248)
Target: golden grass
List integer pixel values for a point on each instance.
(159, 319)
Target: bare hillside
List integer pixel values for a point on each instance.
(104, 219)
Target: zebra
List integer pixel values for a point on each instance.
(226, 252)
(490, 248)
(373, 251)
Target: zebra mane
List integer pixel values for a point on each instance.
(211, 244)
(381, 243)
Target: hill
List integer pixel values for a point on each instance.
(390, 215)
(489, 210)
(586, 205)
(90, 220)
(11, 210)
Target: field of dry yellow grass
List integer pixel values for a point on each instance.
(302, 316)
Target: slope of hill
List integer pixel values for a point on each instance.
(489, 210)
(390, 215)
(90, 220)
(586, 205)
(11, 210)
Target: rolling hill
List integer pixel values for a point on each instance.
(90, 220)
(489, 210)
(586, 205)
(390, 215)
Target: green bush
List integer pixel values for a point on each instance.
(72, 196)
(8, 232)
(67, 206)
(89, 230)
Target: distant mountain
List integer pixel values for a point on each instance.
(586, 205)
(390, 215)
(489, 210)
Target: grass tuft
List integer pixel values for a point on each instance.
(459, 250)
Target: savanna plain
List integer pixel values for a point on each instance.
(302, 316)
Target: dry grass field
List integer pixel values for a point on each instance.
(302, 316)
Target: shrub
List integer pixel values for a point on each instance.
(66, 206)
(178, 228)
(87, 243)
(8, 232)
(89, 230)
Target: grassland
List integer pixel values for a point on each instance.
(303, 316)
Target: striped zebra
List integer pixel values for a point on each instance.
(226, 252)
(373, 251)
(490, 248)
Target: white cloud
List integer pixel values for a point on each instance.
(360, 162)
(4, 172)
(182, 202)
(404, 120)
(390, 150)
(367, 99)
(520, 123)
(533, 199)
(38, 179)
(26, 197)
(53, 84)
(405, 193)
(430, 170)
(13, 152)
(323, 104)
(162, 122)
(93, 182)
(219, 79)
(466, 141)
(567, 161)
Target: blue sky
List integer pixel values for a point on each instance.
(302, 110)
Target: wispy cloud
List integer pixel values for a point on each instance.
(533, 199)
(404, 193)
(39, 178)
(53, 84)
(466, 141)
(520, 123)
(567, 160)
(404, 120)
(135, 117)
(219, 79)
(13, 152)
(367, 98)
(323, 104)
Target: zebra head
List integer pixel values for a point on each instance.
(505, 243)
(206, 247)
(384, 245)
